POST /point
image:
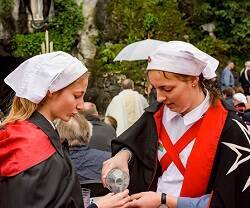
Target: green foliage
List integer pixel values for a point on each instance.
(150, 22)
(232, 28)
(62, 31)
(213, 46)
(6, 7)
(28, 45)
(136, 20)
(105, 64)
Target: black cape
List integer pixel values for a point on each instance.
(229, 189)
(51, 183)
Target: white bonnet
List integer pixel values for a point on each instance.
(240, 98)
(182, 58)
(42, 73)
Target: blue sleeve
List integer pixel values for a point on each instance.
(226, 77)
(231, 84)
(199, 202)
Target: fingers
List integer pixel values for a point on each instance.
(110, 194)
(125, 201)
(107, 166)
(136, 196)
(122, 198)
(123, 194)
(133, 203)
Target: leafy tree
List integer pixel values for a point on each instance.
(232, 26)
(136, 20)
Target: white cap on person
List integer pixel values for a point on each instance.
(182, 58)
(42, 73)
(247, 64)
(240, 98)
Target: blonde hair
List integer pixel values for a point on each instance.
(77, 131)
(20, 109)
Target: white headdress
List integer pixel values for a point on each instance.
(42, 73)
(183, 58)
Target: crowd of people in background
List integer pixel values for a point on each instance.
(237, 96)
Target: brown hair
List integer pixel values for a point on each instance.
(110, 120)
(128, 84)
(77, 131)
(228, 92)
(238, 89)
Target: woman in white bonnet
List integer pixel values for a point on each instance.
(35, 170)
(185, 150)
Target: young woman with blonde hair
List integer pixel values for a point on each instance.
(35, 170)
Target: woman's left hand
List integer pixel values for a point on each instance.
(145, 200)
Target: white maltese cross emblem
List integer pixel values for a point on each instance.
(239, 150)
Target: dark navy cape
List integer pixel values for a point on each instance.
(35, 170)
(229, 181)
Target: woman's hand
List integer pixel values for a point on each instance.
(112, 200)
(151, 200)
(120, 161)
(145, 200)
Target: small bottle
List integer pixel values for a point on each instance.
(117, 180)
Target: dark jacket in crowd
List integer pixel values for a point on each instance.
(103, 134)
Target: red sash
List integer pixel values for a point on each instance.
(200, 162)
(175, 149)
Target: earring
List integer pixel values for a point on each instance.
(193, 85)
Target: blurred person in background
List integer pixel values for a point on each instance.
(127, 106)
(227, 94)
(244, 78)
(102, 132)
(227, 77)
(110, 120)
(87, 161)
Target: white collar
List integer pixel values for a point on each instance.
(52, 124)
(191, 116)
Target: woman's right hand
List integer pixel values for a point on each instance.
(120, 161)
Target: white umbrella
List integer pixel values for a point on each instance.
(138, 50)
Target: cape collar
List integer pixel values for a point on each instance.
(39, 120)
